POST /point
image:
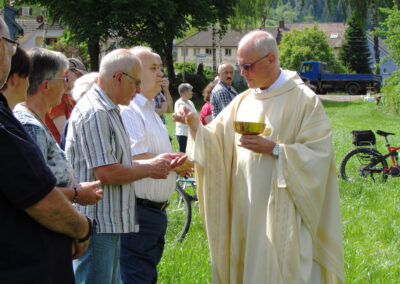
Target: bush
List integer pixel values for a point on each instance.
(198, 80)
(391, 93)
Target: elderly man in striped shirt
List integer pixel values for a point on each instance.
(99, 148)
(223, 93)
(141, 252)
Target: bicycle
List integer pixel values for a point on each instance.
(179, 210)
(366, 161)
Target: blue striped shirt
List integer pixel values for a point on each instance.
(97, 137)
(220, 97)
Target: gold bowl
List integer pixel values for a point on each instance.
(249, 128)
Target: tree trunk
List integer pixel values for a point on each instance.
(214, 50)
(169, 61)
(94, 52)
(264, 15)
(374, 20)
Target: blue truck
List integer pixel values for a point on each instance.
(317, 75)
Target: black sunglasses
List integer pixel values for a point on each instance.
(248, 66)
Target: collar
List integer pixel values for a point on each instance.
(143, 101)
(3, 100)
(104, 98)
(279, 82)
(225, 85)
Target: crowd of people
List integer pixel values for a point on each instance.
(88, 169)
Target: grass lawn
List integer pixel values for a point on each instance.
(370, 212)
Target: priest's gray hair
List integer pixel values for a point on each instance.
(263, 41)
(118, 60)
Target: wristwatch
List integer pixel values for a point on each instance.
(275, 151)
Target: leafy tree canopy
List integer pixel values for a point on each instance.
(308, 44)
(391, 32)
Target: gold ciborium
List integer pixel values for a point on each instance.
(249, 128)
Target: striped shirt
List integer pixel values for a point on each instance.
(97, 137)
(220, 97)
(148, 135)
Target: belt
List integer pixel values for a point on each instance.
(152, 204)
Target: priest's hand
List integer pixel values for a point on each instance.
(186, 116)
(257, 144)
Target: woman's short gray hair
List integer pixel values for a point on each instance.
(263, 41)
(46, 65)
(184, 87)
(117, 60)
(83, 84)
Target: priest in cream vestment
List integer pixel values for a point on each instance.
(269, 203)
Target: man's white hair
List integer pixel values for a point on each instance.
(117, 60)
(138, 50)
(222, 64)
(83, 84)
(263, 41)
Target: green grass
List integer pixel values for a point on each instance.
(370, 212)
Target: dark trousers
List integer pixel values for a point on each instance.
(182, 141)
(142, 251)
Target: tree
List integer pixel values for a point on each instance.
(391, 31)
(88, 20)
(308, 44)
(354, 52)
(157, 23)
(363, 8)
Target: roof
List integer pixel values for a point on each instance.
(31, 25)
(334, 31)
(204, 38)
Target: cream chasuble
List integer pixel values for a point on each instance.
(271, 220)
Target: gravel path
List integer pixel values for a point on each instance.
(339, 98)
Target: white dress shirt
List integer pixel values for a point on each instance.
(148, 135)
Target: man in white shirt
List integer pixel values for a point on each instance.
(141, 252)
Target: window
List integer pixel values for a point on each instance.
(26, 11)
(185, 51)
(208, 51)
(228, 52)
(196, 51)
(334, 35)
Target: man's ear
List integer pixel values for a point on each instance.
(12, 81)
(44, 86)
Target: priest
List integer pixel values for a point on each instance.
(269, 202)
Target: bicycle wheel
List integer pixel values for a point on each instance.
(361, 163)
(179, 212)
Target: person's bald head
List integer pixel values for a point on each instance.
(120, 75)
(151, 72)
(5, 53)
(226, 73)
(258, 57)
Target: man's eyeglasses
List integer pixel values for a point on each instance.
(138, 82)
(13, 46)
(248, 66)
